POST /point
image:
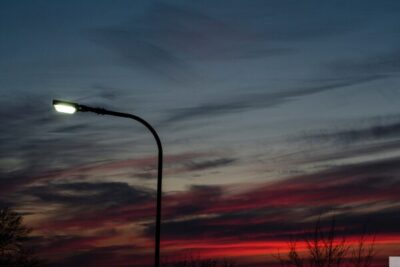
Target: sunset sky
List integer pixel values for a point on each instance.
(272, 114)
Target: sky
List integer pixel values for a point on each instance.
(272, 114)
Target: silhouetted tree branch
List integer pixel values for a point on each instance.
(13, 235)
(362, 254)
(325, 249)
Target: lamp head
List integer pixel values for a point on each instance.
(65, 106)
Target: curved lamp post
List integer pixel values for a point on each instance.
(70, 108)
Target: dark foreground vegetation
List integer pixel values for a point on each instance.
(13, 235)
(326, 248)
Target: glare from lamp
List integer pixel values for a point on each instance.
(65, 108)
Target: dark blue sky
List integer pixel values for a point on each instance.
(248, 97)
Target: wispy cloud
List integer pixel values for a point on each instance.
(85, 193)
(372, 133)
(211, 219)
(208, 164)
(167, 37)
(117, 255)
(263, 100)
(383, 63)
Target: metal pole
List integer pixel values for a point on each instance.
(102, 111)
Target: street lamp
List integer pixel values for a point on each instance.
(70, 108)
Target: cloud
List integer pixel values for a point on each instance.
(348, 151)
(357, 193)
(208, 164)
(65, 244)
(212, 220)
(118, 256)
(331, 189)
(85, 193)
(141, 53)
(252, 234)
(366, 138)
(71, 128)
(167, 37)
(377, 132)
(189, 165)
(242, 228)
(106, 92)
(34, 140)
(19, 114)
(262, 100)
(24, 176)
(193, 201)
(82, 187)
(384, 63)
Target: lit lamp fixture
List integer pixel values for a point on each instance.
(71, 108)
(65, 107)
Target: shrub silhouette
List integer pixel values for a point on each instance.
(326, 249)
(13, 235)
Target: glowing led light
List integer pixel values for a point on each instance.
(65, 108)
